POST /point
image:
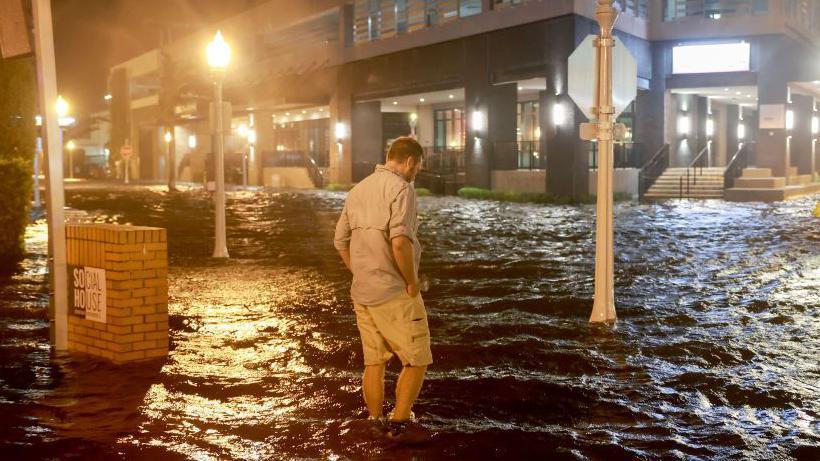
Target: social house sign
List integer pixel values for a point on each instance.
(86, 292)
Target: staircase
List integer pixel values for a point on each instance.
(706, 184)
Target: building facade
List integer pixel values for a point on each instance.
(324, 86)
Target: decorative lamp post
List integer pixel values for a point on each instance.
(219, 55)
(70, 146)
(168, 137)
(63, 120)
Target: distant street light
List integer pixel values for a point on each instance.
(219, 56)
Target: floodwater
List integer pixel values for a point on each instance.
(714, 356)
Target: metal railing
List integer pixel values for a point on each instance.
(677, 10)
(519, 155)
(625, 155)
(653, 169)
(736, 165)
(693, 170)
(442, 160)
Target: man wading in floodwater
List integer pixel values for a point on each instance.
(376, 238)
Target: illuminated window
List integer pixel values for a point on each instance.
(449, 130)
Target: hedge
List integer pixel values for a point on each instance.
(15, 199)
(529, 197)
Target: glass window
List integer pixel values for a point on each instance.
(449, 129)
(469, 7)
(527, 127)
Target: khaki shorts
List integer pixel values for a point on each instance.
(398, 326)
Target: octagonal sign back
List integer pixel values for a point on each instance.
(581, 74)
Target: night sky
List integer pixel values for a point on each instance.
(92, 35)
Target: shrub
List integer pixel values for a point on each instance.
(17, 135)
(337, 187)
(15, 198)
(423, 192)
(528, 197)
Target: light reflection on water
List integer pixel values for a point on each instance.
(715, 353)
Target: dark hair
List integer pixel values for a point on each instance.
(403, 147)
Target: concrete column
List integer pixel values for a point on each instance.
(491, 123)
(341, 108)
(699, 117)
(425, 128)
(567, 155)
(732, 121)
(801, 141)
(683, 146)
(366, 138)
(771, 149)
(263, 124)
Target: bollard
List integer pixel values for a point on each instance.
(117, 291)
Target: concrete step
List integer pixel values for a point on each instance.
(668, 197)
(799, 180)
(691, 187)
(760, 183)
(756, 173)
(791, 171)
(699, 180)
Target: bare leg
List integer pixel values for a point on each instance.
(407, 390)
(373, 389)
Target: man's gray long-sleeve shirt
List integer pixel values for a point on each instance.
(378, 209)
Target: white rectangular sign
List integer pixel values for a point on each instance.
(772, 116)
(87, 293)
(716, 57)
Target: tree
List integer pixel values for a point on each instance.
(17, 137)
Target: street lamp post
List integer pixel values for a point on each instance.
(603, 308)
(168, 138)
(219, 55)
(62, 120)
(70, 146)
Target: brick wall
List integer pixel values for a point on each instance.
(135, 260)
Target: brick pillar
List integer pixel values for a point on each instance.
(118, 279)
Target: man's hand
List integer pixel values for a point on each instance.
(403, 254)
(345, 254)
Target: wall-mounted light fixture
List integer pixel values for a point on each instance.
(168, 137)
(815, 125)
(741, 131)
(684, 125)
(251, 136)
(341, 131)
(192, 141)
(477, 121)
(559, 114)
(710, 127)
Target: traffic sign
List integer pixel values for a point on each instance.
(582, 71)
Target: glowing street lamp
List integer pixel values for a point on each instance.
(219, 56)
(62, 106)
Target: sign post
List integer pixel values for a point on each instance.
(55, 200)
(602, 101)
